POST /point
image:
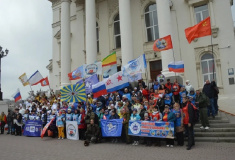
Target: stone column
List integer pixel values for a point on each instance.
(65, 42)
(164, 23)
(126, 31)
(91, 39)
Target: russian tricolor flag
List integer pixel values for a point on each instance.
(177, 66)
(99, 89)
(17, 95)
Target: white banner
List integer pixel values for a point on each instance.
(91, 69)
(72, 130)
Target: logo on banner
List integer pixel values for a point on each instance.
(161, 44)
(91, 69)
(134, 65)
(111, 128)
(71, 130)
(160, 78)
(135, 128)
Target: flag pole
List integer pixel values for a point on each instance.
(212, 52)
(174, 59)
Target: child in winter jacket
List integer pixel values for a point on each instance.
(60, 125)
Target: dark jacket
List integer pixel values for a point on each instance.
(142, 112)
(191, 113)
(9, 118)
(202, 100)
(126, 118)
(161, 104)
(93, 130)
(116, 116)
(208, 90)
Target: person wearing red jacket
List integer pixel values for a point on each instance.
(145, 93)
(168, 84)
(188, 112)
(176, 91)
(82, 125)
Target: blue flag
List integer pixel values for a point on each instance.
(89, 82)
(111, 128)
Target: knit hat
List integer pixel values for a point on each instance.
(69, 109)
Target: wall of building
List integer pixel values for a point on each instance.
(182, 16)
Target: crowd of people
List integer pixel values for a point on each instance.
(169, 102)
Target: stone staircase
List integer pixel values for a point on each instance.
(221, 130)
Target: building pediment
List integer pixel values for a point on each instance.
(49, 66)
(58, 35)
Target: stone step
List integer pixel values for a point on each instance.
(215, 139)
(219, 121)
(216, 118)
(215, 130)
(218, 125)
(214, 134)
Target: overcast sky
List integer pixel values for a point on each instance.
(25, 29)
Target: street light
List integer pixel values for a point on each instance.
(2, 55)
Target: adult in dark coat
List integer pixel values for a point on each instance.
(216, 93)
(142, 112)
(208, 90)
(188, 111)
(93, 132)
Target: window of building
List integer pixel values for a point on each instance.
(208, 67)
(151, 22)
(117, 33)
(97, 36)
(201, 13)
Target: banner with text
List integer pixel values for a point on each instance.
(33, 128)
(151, 129)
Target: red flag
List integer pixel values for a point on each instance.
(46, 127)
(45, 82)
(163, 44)
(202, 29)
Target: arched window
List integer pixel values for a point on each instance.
(208, 67)
(97, 36)
(151, 22)
(117, 33)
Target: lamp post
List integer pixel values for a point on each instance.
(2, 55)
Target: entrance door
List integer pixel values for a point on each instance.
(155, 69)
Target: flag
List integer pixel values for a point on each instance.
(200, 30)
(99, 89)
(135, 77)
(89, 82)
(135, 66)
(116, 82)
(111, 128)
(177, 66)
(17, 95)
(110, 60)
(112, 70)
(163, 44)
(24, 80)
(46, 127)
(91, 69)
(35, 78)
(76, 74)
(45, 82)
(73, 93)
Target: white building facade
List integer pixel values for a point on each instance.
(85, 31)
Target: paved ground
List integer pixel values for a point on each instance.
(28, 148)
(226, 103)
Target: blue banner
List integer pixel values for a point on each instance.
(151, 129)
(111, 128)
(33, 128)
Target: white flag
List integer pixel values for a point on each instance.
(91, 69)
(35, 78)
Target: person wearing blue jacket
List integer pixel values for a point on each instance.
(135, 117)
(168, 97)
(169, 116)
(60, 125)
(114, 115)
